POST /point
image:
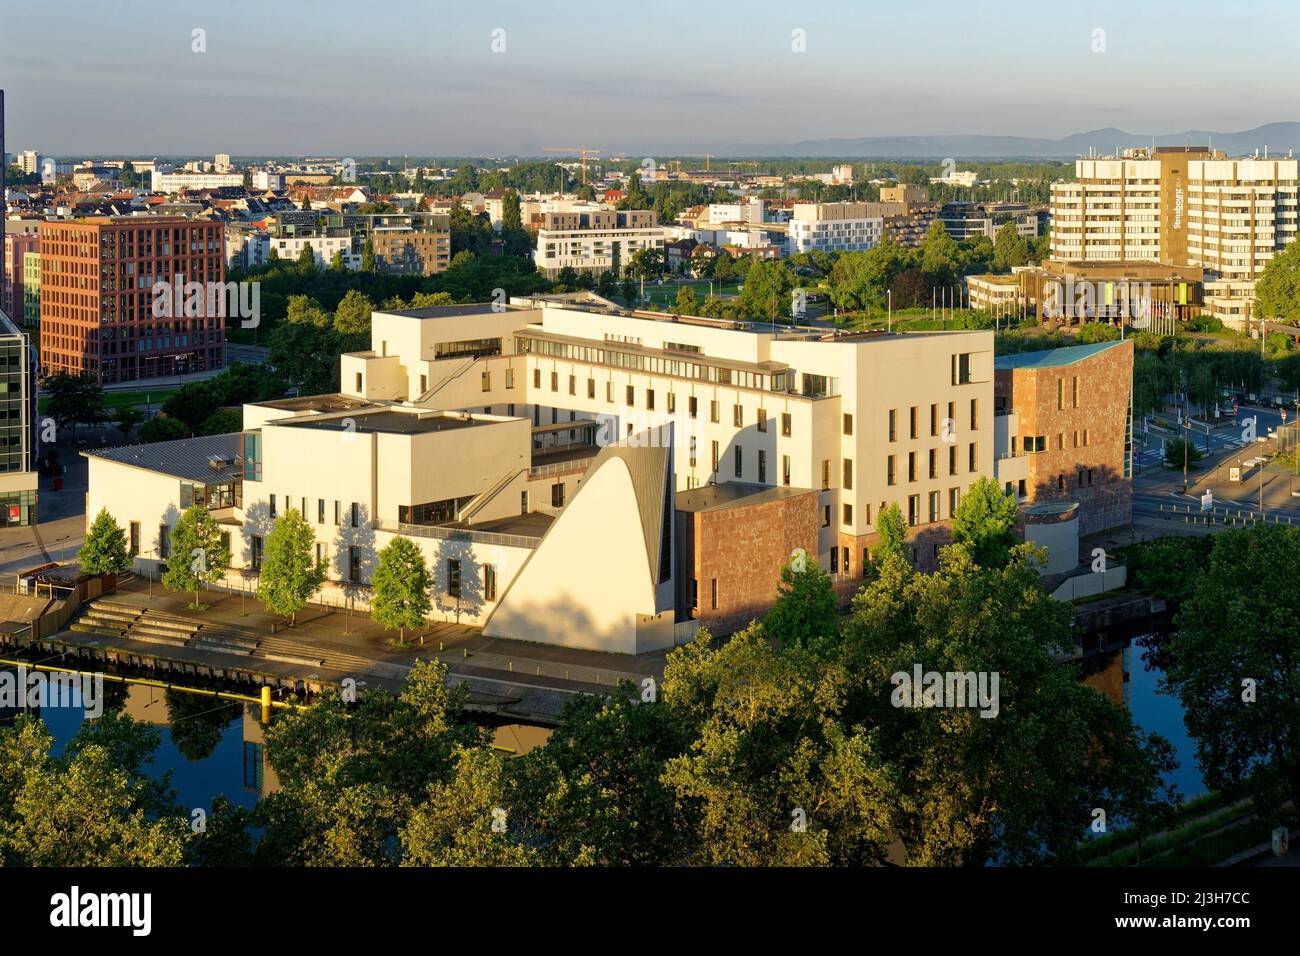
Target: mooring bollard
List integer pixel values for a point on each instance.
(266, 704)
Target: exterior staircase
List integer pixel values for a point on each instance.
(113, 619)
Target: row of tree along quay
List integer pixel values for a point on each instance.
(290, 574)
(783, 745)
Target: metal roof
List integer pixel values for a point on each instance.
(1053, 358)
(186, 458)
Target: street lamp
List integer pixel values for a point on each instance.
(889, 310)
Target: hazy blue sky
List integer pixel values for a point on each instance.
(405, 76)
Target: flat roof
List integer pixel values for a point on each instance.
(531, 525)
(734, 494)
(387, 422)
(187, 458)
(443, 311)
(1052, 358)
(333, 402)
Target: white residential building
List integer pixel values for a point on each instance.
(835, 227)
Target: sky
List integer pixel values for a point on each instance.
(501, 77)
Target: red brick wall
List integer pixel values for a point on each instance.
(1105, 383)
(744, 548)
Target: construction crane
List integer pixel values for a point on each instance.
(708, 160)
(584, 151)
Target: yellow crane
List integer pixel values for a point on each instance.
(583, 151)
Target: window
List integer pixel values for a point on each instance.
(1020, 488)
(1085, 438)
(1076, 438)
(573, 385)
(453, 577)
(835, 560)
(713, 411)
(913, 510)
(762, 467)
(737, 415)
(555, 381)
(672, 403)
(713, 593)
(489, 582)
(954, 497)
(523, 502)
(934, 463)
(693, 443)
(890, 478)
(848, 424)
(934, 506)
(337, 509)
(952, 459)
(271, 506)
(971, 449)
(320, 510)
(304, 507)
(537, 378)
(591, 388)
(255, 547)
(164, 542)
(762, 419)
(911, 466)
(715, 456)
(609, 392)
(848, 474)
(785, 470)
(1060, 394)
(692, 406)
(826, 516)
(557, 495)
(785, 424)
(487, 381)
(650, 398)
(739, 456)
(934, 420)
(961, 374)
(358, 388)
(911, 422)
(826, 473)
(424, 384)
(974, 414)
(510, 378)
(631, 396)
(1060, 482)
(356, 515)
(893, 424)
(1074, 391)
(848, 515)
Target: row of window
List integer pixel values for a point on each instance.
(351, 515)
(891, 473)
(937, 424)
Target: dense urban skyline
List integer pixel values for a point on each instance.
(326, 77)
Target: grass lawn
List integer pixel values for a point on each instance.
(666, 294)
(114, 401)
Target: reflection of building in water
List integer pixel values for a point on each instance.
(259, 776)
(147, 705)
(1109, 674)
(518, 739)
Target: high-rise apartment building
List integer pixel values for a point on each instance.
(836, 226)
(1181, 207)
(18, 476)
(596, 241)
(99, 295)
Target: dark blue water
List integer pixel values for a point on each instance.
(211, 747)
(1163, 714)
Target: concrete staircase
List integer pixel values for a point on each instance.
(114, 619)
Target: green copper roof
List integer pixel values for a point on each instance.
(1052, 358)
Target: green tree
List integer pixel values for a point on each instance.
(368, 256)
(303, 310)
(1233, 660)
(352, 317)
(401, 585)
(985, 522)
(1009, 248)
(688, 302)
(199, 553)
(222, 422)
(307, 258)
(1277, 290)
(1091, 332)
(805, 608)
(290, 573)
(940, 255)
(104, 549)
(767, 291)
(163, 428)
(128, 417)
(73, 399)
(892, 530)
(336, 262)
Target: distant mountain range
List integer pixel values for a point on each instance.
(1278, 137)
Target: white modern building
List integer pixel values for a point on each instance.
(835, 227)
(595, 479)
(169, 180)
(596, 241)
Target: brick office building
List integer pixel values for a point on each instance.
(1074, 409)
(97, 297)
